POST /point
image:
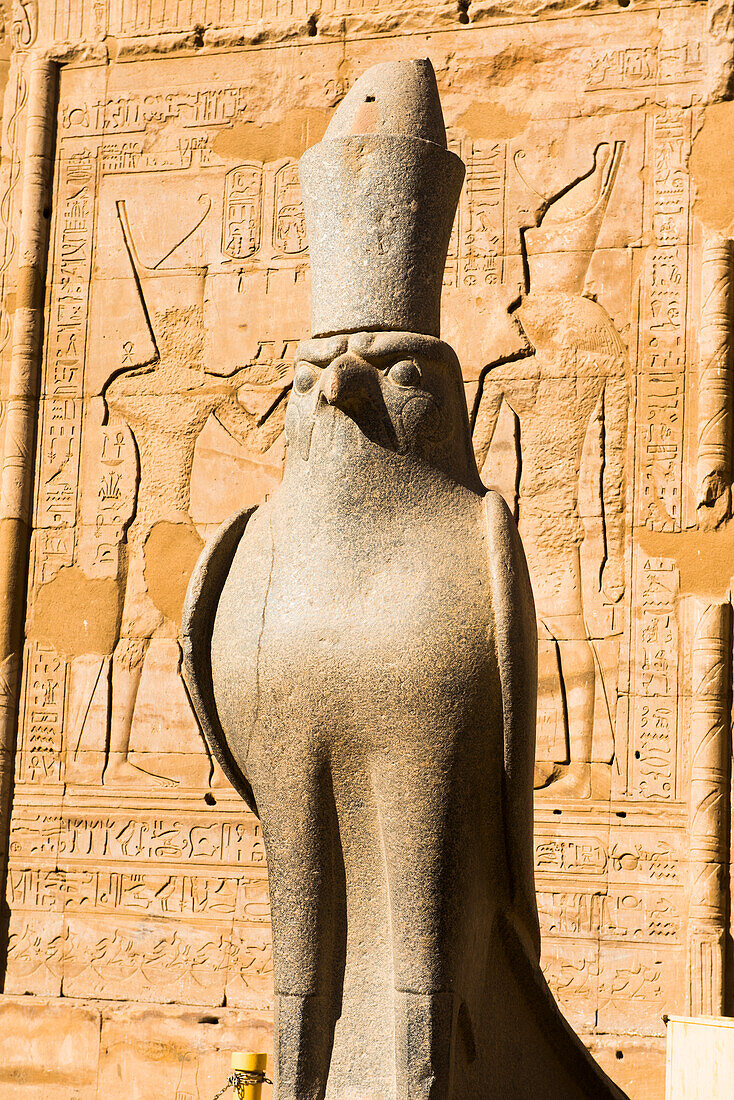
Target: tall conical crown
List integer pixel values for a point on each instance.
(380, 193)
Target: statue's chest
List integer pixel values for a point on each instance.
(317, 632)
(379, 606)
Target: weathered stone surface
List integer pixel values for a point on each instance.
(215, 119)
(63, 1048)
(48, 1046)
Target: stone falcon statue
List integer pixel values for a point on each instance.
(361, 653)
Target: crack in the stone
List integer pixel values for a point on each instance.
(564, 702)
(517, 435)
(256, 716)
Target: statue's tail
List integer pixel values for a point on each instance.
(526, 1048)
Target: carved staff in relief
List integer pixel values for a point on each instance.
(715, 383)
(22, 413)
(709, 808)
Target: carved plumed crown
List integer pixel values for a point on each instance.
(380, 193)
(560, 249)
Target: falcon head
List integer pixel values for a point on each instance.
(399, 391)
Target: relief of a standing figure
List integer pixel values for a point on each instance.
(574, 379)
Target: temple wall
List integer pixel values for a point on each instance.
(154, 283)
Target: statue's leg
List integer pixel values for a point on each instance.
(427, 931)
(307, 897)
(425, 1029)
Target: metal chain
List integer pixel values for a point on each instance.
(242, 1077)
(228, 1084)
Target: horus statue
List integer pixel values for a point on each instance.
(361, 654)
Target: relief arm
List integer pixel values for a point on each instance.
(256, 433)
(486, 414)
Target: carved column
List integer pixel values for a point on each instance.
(709, 807)
(22, 413)
(714, 457)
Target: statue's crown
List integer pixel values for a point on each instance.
(380, 193)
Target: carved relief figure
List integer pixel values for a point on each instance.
(361, 652)
(575, 377)
(166, 402)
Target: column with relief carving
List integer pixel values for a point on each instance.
(709, 807)
(21, 414)
(715, 384)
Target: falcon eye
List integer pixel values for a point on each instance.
(304, 377)
(406, 372)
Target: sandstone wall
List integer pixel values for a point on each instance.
(154, 281)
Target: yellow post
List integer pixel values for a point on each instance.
(246, 1062)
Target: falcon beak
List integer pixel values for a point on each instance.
(344, 381)
(351, 384)
(331, 386)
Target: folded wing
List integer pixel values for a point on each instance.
(200, 609)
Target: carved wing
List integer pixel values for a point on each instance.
(517, 653)
(200, 608)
